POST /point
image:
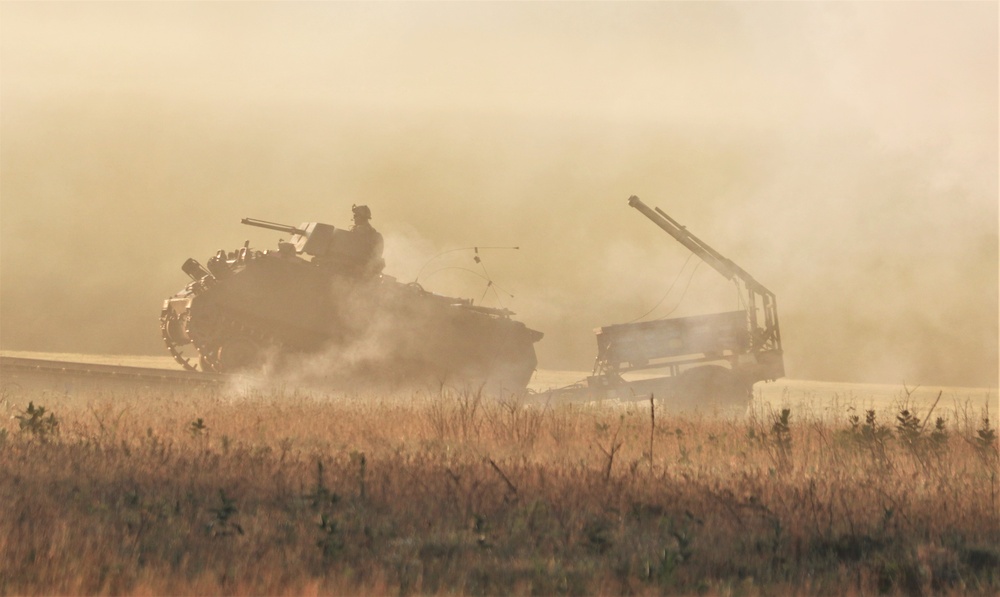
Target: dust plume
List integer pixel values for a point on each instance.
(844, 154)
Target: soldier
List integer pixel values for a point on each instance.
(368, 241)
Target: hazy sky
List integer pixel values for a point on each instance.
(845, 154)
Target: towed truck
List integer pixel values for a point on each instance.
(712, 359)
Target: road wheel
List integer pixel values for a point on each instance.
(239, 353)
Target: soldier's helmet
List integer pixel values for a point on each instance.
(361, 211)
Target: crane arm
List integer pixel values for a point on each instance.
(724, 266)
(766, 337)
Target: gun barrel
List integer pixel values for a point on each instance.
(272, 226)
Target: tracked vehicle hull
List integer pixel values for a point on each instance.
(250, 310)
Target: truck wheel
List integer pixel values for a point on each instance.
(712, 386)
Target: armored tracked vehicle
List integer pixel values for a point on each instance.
(317, 304)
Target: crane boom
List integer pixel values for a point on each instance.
(767, 337)
(724, 266)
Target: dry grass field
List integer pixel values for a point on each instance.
(156, 492)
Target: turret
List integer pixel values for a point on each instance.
(311, 238)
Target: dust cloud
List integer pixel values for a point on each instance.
(846, 155)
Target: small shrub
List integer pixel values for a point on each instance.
(223, 524)
(908, 428)
(939, 436)
(36, 424)
(985, 442)
(781, 438)
(197, 427)
(873, 435)
(331, 541)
